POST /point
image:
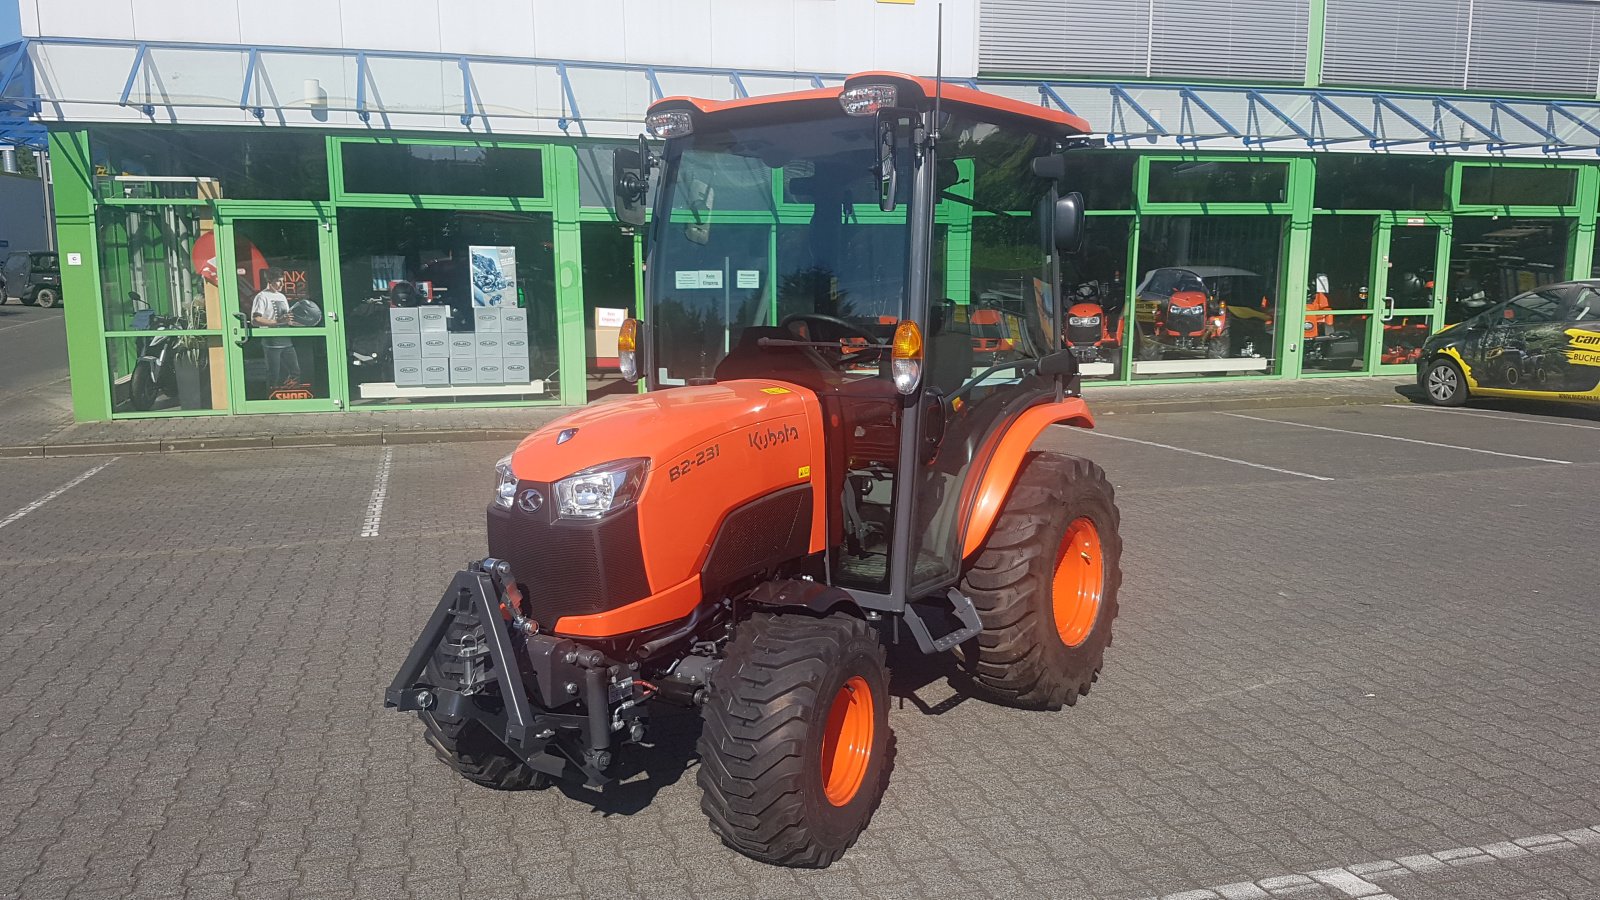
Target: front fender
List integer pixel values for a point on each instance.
(1001, 461)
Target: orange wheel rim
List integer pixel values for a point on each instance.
(1079, 582)
(847, 742)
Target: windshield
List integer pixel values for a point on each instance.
(769, 222)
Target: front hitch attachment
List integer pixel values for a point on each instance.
(532, 674)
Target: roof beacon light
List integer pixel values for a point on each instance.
(670, 124)
(906, 357)
(867, 99)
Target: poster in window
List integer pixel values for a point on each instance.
(494, 276)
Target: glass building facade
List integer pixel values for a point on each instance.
(306, 271)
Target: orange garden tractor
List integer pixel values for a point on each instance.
(823, 464)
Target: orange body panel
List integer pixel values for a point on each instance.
(711, 448)
(952, 93)
(666, 606)
(1001, 459)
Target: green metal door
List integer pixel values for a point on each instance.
(285, 351)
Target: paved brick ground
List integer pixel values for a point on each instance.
(1308, 675)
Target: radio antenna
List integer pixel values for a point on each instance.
(938, 74)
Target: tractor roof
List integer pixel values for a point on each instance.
(916, 92)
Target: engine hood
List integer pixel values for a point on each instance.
(657, 425)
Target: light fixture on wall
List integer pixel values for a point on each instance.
(316, 98)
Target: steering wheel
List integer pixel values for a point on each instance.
(849, 328)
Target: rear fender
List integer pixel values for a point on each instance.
(1003, 460)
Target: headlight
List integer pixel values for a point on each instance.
(600, 489)
(505, 483)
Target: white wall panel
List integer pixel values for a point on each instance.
(396, 24)
(675, 33)
(86, 18)
(285, 23)
(488, 27)
(209, 22)
(593, 26)
(753, 34)
(830, 41)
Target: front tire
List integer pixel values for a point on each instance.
(1045, 585)
(793, 756)
(143, 384)
(1445, 384)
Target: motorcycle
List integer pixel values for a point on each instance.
(155, 372)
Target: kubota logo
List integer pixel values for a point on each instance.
(772, 437)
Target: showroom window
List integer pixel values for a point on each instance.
(1517, 186)
(448, 305)
(1368, 181)
(1212, 181)
(152, 163)
(158, 267)
(1207, 299)
(1496, 258)
(447, 170)
(1095, 283)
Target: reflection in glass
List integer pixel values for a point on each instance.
(1217, 182)
(1207, 301)
(1096, 290)
(1341, 255)
(441, 169)
(1376, 181)
(167, 370)
(413, 329)
(142, 163)
(1496, 258)
(1518, 186)
(1335, 343)
(158, 267)
(280, 292)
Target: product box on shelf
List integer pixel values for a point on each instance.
(463, 371)
(406, 346)
(407, 372)
(486, 320)
(434, 318)
(435, 345)
(404, 321)
(436, 371)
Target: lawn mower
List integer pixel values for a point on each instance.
(1088, 332)
(821, 466)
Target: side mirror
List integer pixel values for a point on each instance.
(1067, 225)
(630, 184)
(1060, 362)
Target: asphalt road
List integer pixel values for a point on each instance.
(1355, 659)
(33, 371)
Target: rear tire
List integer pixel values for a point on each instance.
(1045, 585)
(1445, 384)
(464, 744)
(46, 298)
(793, 756)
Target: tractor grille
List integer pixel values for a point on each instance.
(569, 567)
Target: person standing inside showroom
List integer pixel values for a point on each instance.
(270, 309)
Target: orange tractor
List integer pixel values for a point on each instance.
(822, 465)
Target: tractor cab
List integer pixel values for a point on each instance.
(840, 242)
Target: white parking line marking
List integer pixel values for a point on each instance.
(24, 324)
(1242, 462)
(1357, 880)
(1484, 415)
(55, 493)
(380, 492)
(1390, 437)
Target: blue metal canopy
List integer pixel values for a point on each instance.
(44, 80)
